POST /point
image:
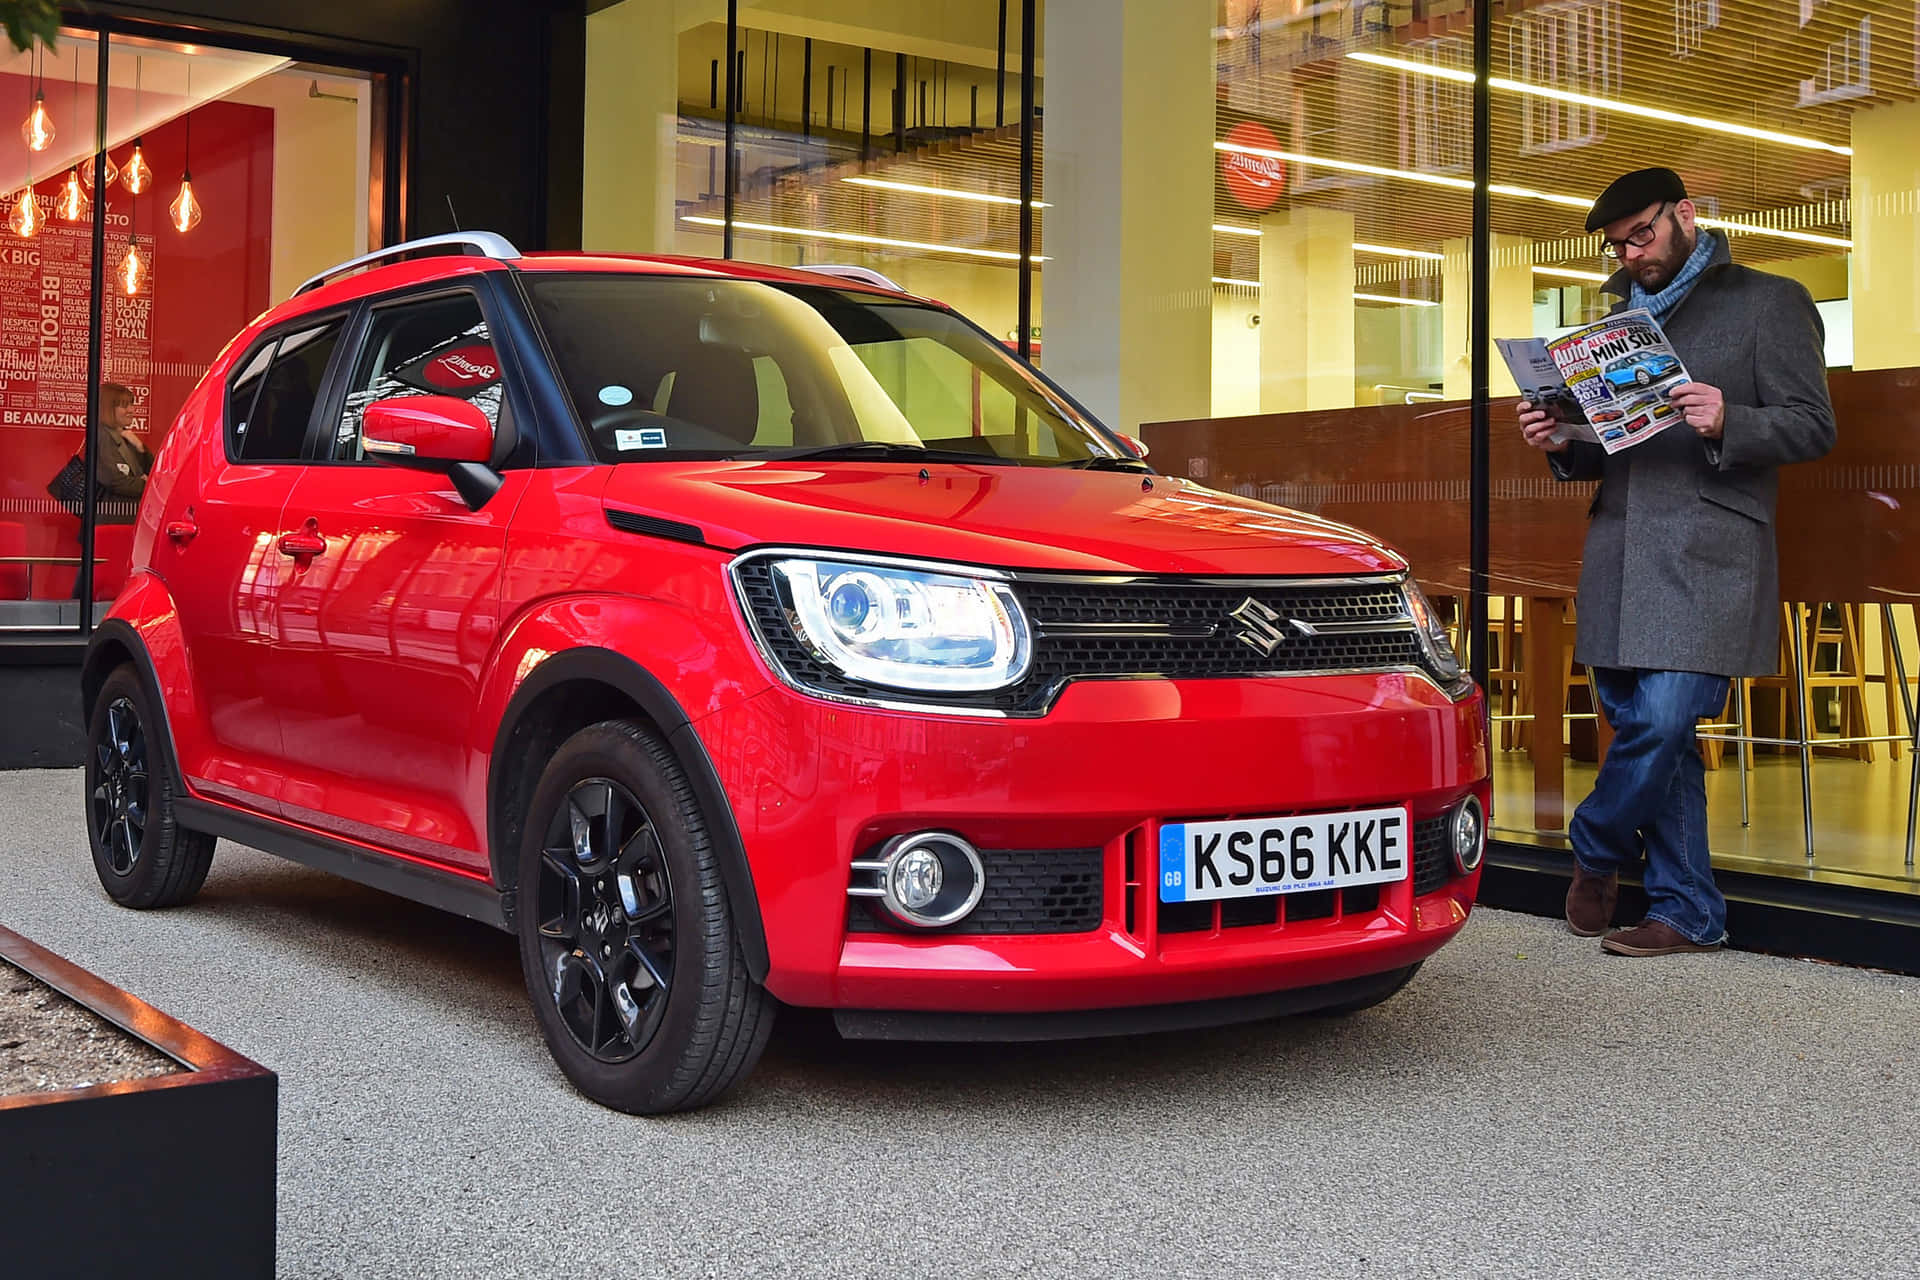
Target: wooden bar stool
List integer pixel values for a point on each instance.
(1506, 683)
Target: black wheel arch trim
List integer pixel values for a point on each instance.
(98, 665)
(616, 670)
(426, 885)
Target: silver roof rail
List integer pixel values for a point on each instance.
(865, 274)
(485, 243)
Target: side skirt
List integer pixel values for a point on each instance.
(474, 899)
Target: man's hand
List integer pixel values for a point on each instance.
(1537, 426)
(1704, 408)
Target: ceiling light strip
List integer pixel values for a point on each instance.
(849, 237)
(1604, 104)
(945, 193)
(1349, 166)
(1754, 229)
(1391, 251)
(1404, 302)
(1570, 274)
(1520, 193)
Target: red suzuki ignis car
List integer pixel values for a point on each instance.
(737, 636)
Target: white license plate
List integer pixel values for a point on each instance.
(1204, 861)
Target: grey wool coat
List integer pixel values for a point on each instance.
(1681, 570)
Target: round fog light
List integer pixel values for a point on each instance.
(915, 878)
(930, 879)
(1467, 833)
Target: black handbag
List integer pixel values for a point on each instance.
(69, 487)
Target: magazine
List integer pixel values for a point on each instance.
(1606, 382)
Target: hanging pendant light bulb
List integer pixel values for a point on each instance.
(72, 203)
(132, 271)
(86, 172)
(185, 209)
(25, 218)
(138, 175)
(37, 128)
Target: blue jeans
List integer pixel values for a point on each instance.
(1652, 794)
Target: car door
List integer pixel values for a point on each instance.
(386, 626)
(222, 562)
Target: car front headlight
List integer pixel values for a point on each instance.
(903, 628)
(1441, 659)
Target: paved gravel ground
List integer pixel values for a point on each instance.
(1528, 1107)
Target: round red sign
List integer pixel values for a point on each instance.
(473, 365)
(1252, 180)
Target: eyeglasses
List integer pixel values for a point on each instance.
(1640, 237)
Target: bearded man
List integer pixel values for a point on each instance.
(1679, 584)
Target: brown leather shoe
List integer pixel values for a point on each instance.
(1590, 900)
(1651, 938)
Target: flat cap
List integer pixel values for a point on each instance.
(1632, 192)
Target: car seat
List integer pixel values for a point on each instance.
(716, 388)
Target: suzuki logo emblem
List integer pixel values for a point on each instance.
(1259, 627)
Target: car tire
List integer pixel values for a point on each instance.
(1644, 378)
(1367, 1002)
(627, 942)
(145, 859)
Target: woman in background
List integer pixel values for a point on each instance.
(121, 462)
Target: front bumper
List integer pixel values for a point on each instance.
(816, 784)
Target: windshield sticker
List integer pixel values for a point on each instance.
(616, 396)
(644, 438)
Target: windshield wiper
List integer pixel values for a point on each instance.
(1101, 462)
(884, 450)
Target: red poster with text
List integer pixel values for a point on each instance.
(198, 290)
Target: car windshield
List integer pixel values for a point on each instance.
(667, 367)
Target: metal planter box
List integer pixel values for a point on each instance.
(168, 1176)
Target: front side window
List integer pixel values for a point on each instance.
(663, 368)
(273, 426)
(436, 347)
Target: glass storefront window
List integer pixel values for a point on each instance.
(1254, 233)
(1795, 139)
(230, 176)
(885, 139)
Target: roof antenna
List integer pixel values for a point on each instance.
(455, 216)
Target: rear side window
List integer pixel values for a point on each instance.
(274, 426)
(436, 347)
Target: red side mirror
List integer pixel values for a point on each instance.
(422, 431)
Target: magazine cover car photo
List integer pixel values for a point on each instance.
(738, 636)
(1641, 370)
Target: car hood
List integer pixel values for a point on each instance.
(1011, 517)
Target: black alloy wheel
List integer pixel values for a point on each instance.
(119, 794)
(605, 909)
(628, 945)
(142, 855)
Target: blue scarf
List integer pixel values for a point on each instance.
(1681, 285)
